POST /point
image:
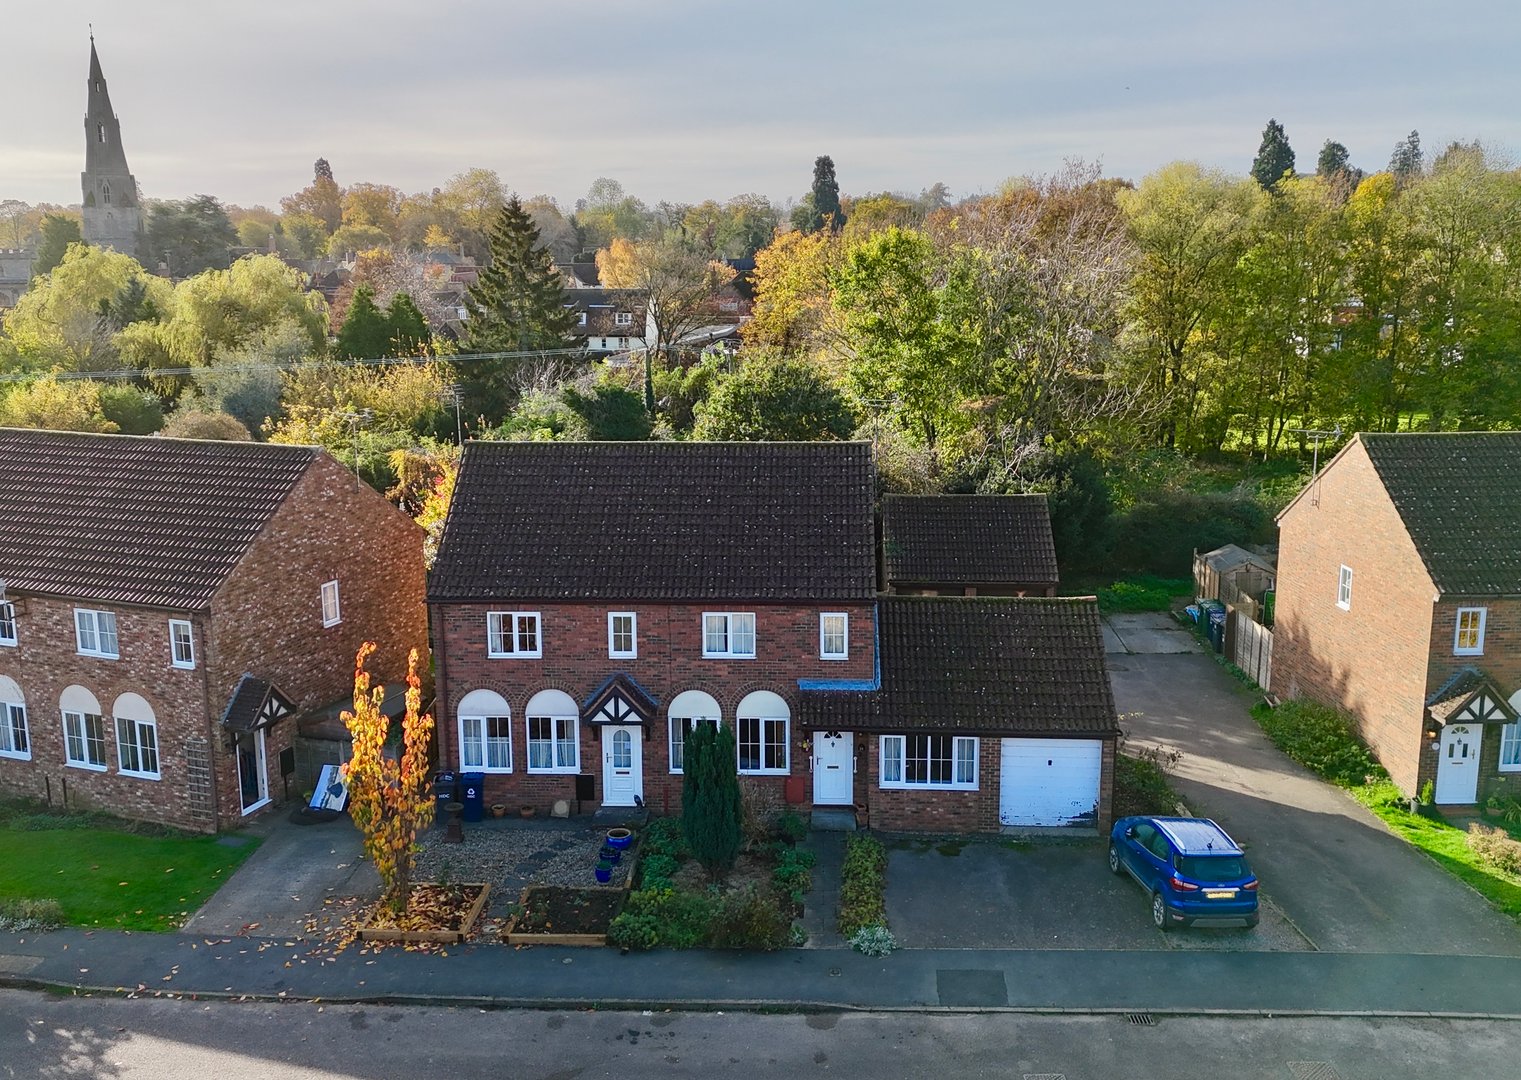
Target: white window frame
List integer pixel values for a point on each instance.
(82, 720)
(185, 661)
(515, 622)
(623, 318)
(581, 318)
(763, 745)
(632, 652)
(8, 624)
(1510, 748)
(332, 611)
(12, 721)
(1344, 588)
(685, 725)
(892, 769)
(1477, 648)
(96, 627)
(728, 652)
(844, 651)
(482, 743)
(129, 736)
(565, 731)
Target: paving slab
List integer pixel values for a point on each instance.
(1148, 633)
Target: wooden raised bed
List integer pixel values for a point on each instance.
(464, 919)
(611, 906)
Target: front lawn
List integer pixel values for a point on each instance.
(111, 878)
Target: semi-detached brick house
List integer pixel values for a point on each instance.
(1399, 601)
(171, 606)
(591, 602)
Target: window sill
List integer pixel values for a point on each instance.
(834, 658)
(139, 775)
(14, 756)
(727, 656)
(765, 772)
(11, 644)
(183, 667)
(563, 770)
(514, 656)
(85, 765)
(330, 625)
(100, 655)
(888, 786)
(1503, 767)
(1344, 607)
(623, 656)
(1470, 652)
(487, 771)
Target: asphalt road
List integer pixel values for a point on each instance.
(53, 1038)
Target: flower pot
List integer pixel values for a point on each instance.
(619, 838)
(611, 854)
(498, 809)
(525, 811)
(604, 873)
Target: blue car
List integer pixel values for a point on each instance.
(1194, 872)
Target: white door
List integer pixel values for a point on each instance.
(1050, 781)
(1457, 779)
(253, 771)
(622, 766)
(834, 760)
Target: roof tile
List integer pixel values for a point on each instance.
(968, 538)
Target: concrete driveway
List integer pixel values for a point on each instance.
(1345, 881)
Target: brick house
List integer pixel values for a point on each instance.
(591, 602)
(172, 606)
(968, 545)
(1399, 601)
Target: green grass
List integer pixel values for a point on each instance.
(108, 878)
(1143, 592)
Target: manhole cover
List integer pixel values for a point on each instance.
(976, 988)
(1045, 1076)
(1313, 1070)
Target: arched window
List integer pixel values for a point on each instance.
(136, 737)
(100, 132)
(15, 739)
(485, 732)
(554, 733)
(688, 709)
(105, 192)
(84, 729)
(1510, 740)
(762, 728)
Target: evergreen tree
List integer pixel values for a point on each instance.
(58, 232)
(408, 326)
(321, 170)
(366, 331)
(1405, 162)
(711, 812)
(1333, 160)
(610, 413)
(824, 208)
(1274, 157)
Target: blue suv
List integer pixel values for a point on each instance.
(1194, 872)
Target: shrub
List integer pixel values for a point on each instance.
(1320, 739)
(791, 873)
(874, 940)
(1495, 847)
(658, 871)
(1141, 782)
(791, 827)
(863, 878)
(711, 804)
(22, 914)
(1166, 526)
(630, 931)
(1145, 592)
(1505, 807)
(681, 919)
(664, 836)
(797, 937)
(748, 919)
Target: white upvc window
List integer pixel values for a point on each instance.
(728, 634)
(680, 727)
(622, 635)
(1344, 589)
(95, 633)
(8, 624)
(485, 743)
(182, 644)
(554, 744)
(581, 318)
(834, 636)
(928, 761)
(1510, 748)
(513, 633)
(15, 739)
(623, 318)
(332, 614)
(137, 747)
(1468, 639)
(762, 744)
(84, 740)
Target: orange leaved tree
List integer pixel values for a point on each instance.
(389, 798)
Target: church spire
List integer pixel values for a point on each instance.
(112, 217)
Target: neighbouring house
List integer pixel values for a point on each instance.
(968, 545)
(1399, 601)
(609, 321)
(592, 602)
(170, 609)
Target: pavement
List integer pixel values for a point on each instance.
(1147, 633)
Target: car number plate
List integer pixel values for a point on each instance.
(1219, 894)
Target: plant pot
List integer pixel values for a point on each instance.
(863, 817)
(525, 811)
(604, 873)
(498, 809)
(611, 854)
(619, 838)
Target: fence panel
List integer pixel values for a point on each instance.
(1253, 649)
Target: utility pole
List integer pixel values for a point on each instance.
(357, 420)
(1316, 437)
(454, 394)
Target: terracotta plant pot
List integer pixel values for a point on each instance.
(498, 809)
(525, 811)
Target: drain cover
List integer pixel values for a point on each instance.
(1142, 1019)
(1313, 1070)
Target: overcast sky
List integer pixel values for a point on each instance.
(686, 100)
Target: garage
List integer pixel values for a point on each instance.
(1050, 782)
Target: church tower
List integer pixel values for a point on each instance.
(113, 217)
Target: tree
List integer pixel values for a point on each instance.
(390, 800)
(792, 311)
(472, 201)
(375, 205)
(366, 332)
(72, 317)
(302, 235)
(55, 404)
(133, 411)
(408, 325)
(190, 235)
(1406, 160)
(321, 199)
(824, 208)
(58, 232)
(1275, 158)
(192, 423)
(1333, 161)
(711, 804)
(351, 239)
(610, 413)
(770, 399)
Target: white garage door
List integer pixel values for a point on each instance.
(1050, 781)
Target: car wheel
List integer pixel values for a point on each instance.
(1115, 866)
(1251, 920)
(1159, 912)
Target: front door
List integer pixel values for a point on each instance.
(622, 766)
(253, 775)
(833, 768)
(1457, 779)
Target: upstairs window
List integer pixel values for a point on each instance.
(728, 634)
(1468, 640)
(513, 633)
(332, 614)
(8, 624)
(181, 644)
(95, 633)
(834, 636)
(1344, 589)
(623, 318)
(581, 318)
(622, 640)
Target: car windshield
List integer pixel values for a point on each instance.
(1212, 867)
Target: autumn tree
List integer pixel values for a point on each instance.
(55, 404)
(711, 805)
(793, 311)
(1406, 160)
(322, 199)
(390, 800)
(773, 399)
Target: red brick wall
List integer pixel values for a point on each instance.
(1501, 661)
(1370, 661)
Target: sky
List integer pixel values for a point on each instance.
(685, 100)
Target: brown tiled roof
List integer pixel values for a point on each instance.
(1455, 694)
(968, 538)
(658, 521)
(134, 520)
(1015, 666)
(250, 706)
(1459, 495)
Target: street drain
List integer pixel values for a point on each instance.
(1142, 1019)
(1313, 1070)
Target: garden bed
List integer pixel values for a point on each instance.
(556, 915)
(436, 915)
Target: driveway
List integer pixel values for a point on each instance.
(1329, 865)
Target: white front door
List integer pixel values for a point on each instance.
(253, 771)
(1457, 779)
(622, 766)
(834, 759)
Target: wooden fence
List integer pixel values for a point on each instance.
(1249, 644)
